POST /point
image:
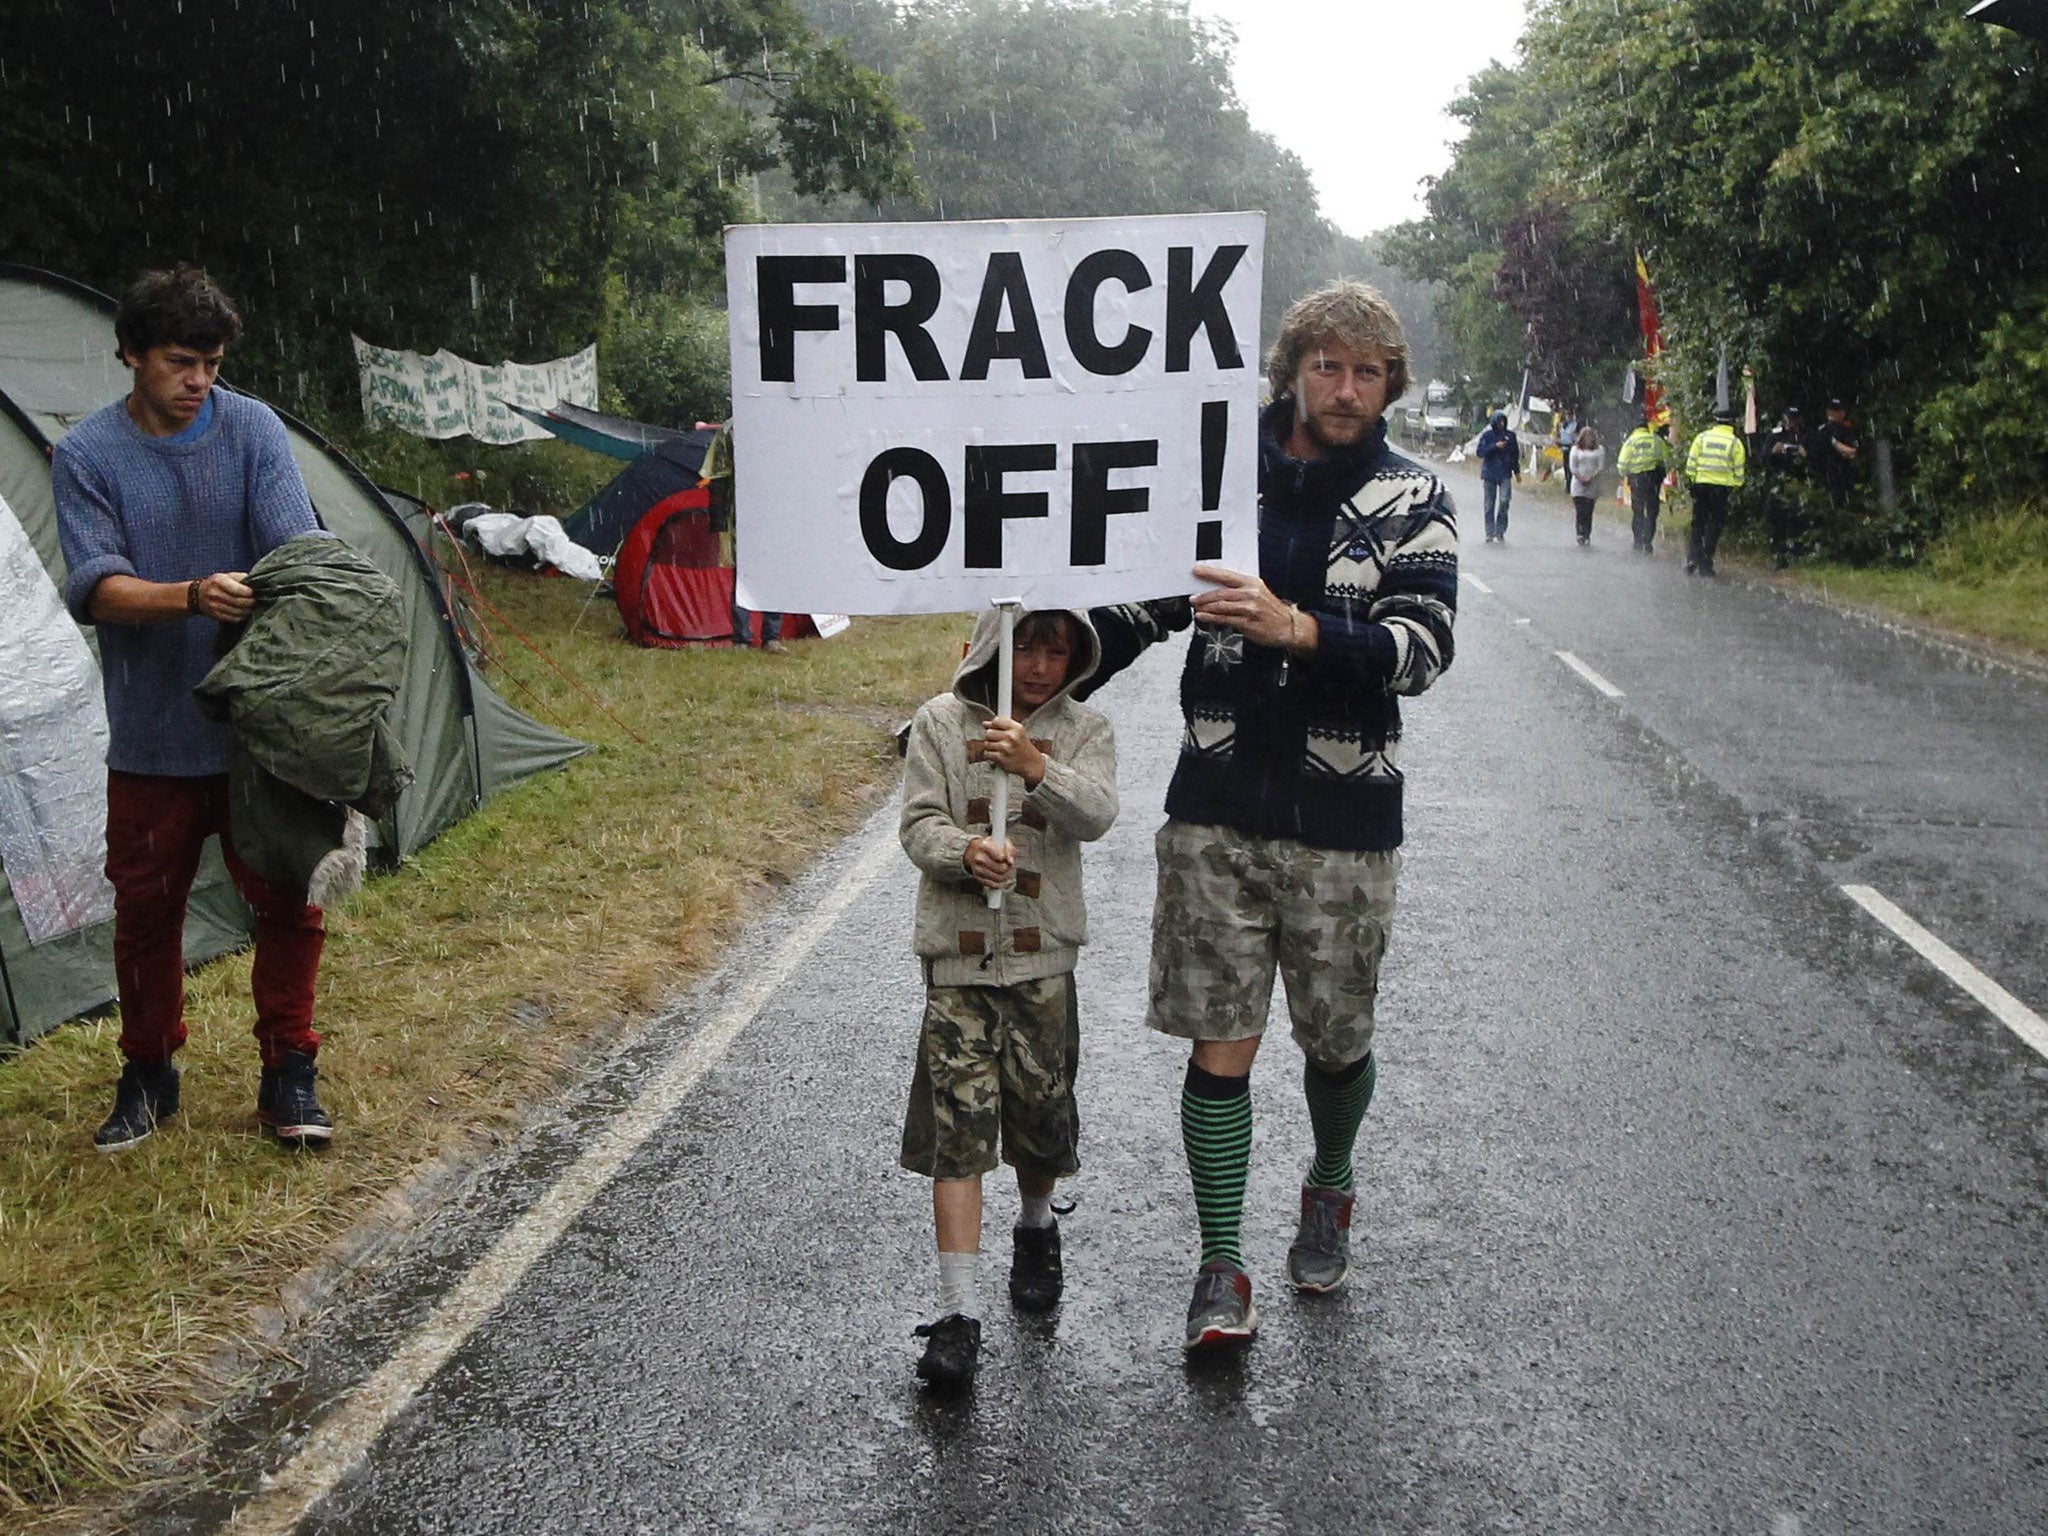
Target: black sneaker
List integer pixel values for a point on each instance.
(146, 1096)
(952, 1350)
(286, 1105)
(1036, 1278)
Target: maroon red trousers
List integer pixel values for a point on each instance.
(156, 829)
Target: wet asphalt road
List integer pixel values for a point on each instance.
(1691, 1201)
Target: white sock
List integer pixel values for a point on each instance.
(957, 1291)
(1037, 1210)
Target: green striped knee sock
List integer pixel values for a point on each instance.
(1336, 1108)
(1216, 1125)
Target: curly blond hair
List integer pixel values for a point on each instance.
(1351, 314)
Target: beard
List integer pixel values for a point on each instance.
(1331, 433)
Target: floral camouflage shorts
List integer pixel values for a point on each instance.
(990, 1060)
(1232, 907)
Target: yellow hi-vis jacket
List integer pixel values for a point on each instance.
(1643, 451)
(1716, 457)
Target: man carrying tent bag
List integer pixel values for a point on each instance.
(165, 499)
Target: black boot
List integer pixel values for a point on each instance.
(1036, 1278)
(286, 1105)
(146, 1096)
(952, 1352)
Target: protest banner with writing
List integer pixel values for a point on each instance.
(931, 417)
(442, 395)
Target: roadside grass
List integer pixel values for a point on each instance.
(456, 993)
(1985, 577)
(1984, 580)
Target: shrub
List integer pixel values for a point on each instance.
(664, 359)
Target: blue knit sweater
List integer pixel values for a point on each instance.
(165, 509)
(1306, 747)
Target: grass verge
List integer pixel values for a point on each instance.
(455, 993)
(1986, 578)
(1983, 583)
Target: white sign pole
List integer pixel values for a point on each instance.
(999, 802)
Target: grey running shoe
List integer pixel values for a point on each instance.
(1320, 1256)
(952, 1350)
(1221, 1311)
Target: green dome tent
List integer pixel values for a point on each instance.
(57, 364)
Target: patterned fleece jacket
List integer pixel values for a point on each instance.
(1306, 747)
(948, 785)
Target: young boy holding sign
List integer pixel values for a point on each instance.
(1001, 1032)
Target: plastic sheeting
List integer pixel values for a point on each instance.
(507, 536)
(53, 751)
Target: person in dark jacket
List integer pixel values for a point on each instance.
(1500, 466)
(1784, 463)
(164, 501)
(1835, 448)
(1284, 813)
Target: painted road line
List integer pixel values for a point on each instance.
(1482, 586)
(2012, 1013)
(339, 1441)
(1589, 674)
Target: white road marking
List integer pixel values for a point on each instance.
(1589, 674)
(1482, 586)
(2010, 1011)
(1521, 621)
(339, 1441)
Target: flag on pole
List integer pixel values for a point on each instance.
(1653, 339)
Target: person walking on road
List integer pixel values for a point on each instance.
(1645, 458)
(1001, 1033)
(1281, 845)
(1500, 466)
(164, 501)
(1715, 463)
(1586, 460)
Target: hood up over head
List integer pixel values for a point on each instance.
(975, 681)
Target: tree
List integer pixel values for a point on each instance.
(1055, 109)
(1528, 279)
(426, 175)
(1837, 189)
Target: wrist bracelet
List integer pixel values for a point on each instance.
(192, 596)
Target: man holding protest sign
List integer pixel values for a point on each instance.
(1284, 813)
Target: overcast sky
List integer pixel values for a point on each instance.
(1357, 89)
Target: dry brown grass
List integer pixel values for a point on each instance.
(455, 993)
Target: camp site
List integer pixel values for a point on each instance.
(1023, 765)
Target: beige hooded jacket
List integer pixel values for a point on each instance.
(947, 790)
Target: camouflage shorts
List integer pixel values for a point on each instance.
(1232, 907)
(995, 1059)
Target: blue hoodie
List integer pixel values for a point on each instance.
(1500, 452)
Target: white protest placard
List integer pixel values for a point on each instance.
(928, 417)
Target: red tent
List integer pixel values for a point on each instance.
(670, 588)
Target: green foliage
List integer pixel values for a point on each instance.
(547, 475)
(1527, 274)
(1055, 109)
(463, 176)
(1836, 192)
(666, 360)
(1982, 436)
